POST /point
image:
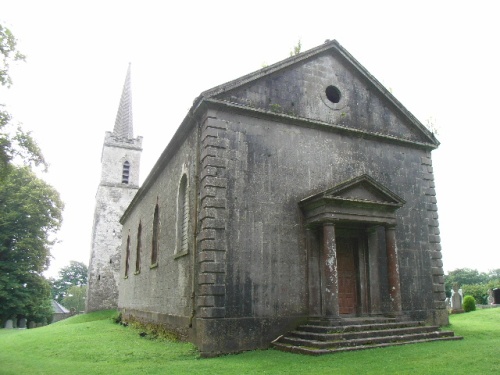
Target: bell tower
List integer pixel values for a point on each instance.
(120, 162)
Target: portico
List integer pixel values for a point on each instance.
(353, 267)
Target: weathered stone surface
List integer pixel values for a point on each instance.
(252, 150)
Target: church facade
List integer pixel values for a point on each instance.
(302, 190)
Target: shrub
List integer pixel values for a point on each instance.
(469, 303)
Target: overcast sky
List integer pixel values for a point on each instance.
(439, 58)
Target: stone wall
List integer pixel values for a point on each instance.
(161, 292)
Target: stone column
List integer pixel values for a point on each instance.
(373, 270)
(329, 261)
(393, 270)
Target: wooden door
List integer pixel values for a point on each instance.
(347, 274)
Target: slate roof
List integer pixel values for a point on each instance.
(58, 308)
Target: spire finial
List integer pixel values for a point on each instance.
(124, 122)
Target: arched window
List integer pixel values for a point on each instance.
(125, 172)
(138, 250)
(127, 256)
(156, 227)
(182, 216)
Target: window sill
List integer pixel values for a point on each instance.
(155, 265)
(137, 272)
(180, 255)
(125, 277)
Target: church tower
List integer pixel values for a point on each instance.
(120, 160)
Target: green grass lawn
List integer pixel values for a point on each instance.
(93, 344)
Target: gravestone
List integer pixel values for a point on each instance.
(22, 323)
(456, 299)
(31, 325)
(9, 324)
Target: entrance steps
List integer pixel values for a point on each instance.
(323, 336)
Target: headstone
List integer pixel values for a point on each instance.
(447, 303)
(31, 325)
(456, 299)
(9, 324)
(22, 323)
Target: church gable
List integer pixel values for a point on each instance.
(326, 85)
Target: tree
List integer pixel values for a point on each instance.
(75, 298)
(30, 213)
(296, 49)
(463, 276)
(73, 275)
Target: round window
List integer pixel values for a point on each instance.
(333, 94)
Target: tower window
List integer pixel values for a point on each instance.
(182, 216)
(333, 94)
(156, 225)
(125, 172)
(138, 250)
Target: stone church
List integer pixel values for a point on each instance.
(303, 190)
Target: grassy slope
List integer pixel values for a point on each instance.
(92, 344)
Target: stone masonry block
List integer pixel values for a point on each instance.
(212, 312)
(212, 132)
(214, 213)
(210, 278)
(438, 288)
(215, 142)
(212, 267)
(436, 263)
(440, 305)
(208, 171)
(436, 255)
(212, 256)
(438, 279)
(206, 301)
(212, 152)
(439, 296)
(213, 161)
(207, 234)
(213, 224)
(437, 271)
(214, 203)
(212, 290)
(215, 181)
(215, 123)
(434, 238)
(425, 160)
(213, 244)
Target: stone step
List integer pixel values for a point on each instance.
(315, 351)
(354, 334)
(350, 321)
(357, 327)
(296, 341)
(363, 334)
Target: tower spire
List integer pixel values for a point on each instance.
(124, 121)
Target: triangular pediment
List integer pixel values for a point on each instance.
(363, 188)
(328, 86)
(361, 199)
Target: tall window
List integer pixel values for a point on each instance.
(125, 172)
(138, 250)
(127, 256)
(156, 225)
(182, 216)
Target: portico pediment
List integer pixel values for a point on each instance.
(361, 199)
